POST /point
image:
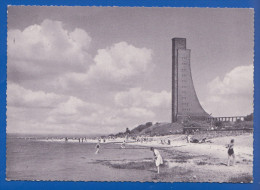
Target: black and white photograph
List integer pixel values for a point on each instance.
(137, 94)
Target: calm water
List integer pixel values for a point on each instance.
(30, 159)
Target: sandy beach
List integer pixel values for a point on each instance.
(207, 162)
(183, 162)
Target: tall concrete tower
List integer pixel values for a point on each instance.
(185, 102)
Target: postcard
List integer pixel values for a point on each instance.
(140, 94)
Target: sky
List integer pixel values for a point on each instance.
(90, 70)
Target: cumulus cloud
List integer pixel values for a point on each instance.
(144, 105)
(119, 62)
(46, 50)
(36, 111)
(55, 86)
(232, 95)
(21, 97)
(91, 115)
(50, 58)
(115, 68)
(76, 106)
(31, 111)
(237, 82)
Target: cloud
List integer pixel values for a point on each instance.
(40, 112)
(120, 62)
(21, 97)
(143, 98)
(76, 106)
(112, 70)
(27, 110)
(46, 50)
(144, 105)
(232, 95)
(55, 86)
(237, 82)
(31, 111)
(91, 115)
(48, 57)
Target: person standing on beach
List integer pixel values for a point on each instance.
(188, 138)
(123, 144)
(97, 147)
(169, 142)
(231, 152)
(158, 158)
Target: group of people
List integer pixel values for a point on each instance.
(230, 146)
(193, 140)
(159, 160)
(231, 155)
(98, 145)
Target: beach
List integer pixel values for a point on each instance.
(30, 159)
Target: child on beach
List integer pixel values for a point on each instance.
(158, 158)
(231, 153)
(188, 138)
(97, 147)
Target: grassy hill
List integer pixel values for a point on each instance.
(162, 129)
(157, 129)
(140, 128)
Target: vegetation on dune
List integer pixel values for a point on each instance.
(140, 128)
(197, 124)
(190, 126)
(161, 129)
(249, 117)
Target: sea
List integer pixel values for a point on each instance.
(36, 158)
